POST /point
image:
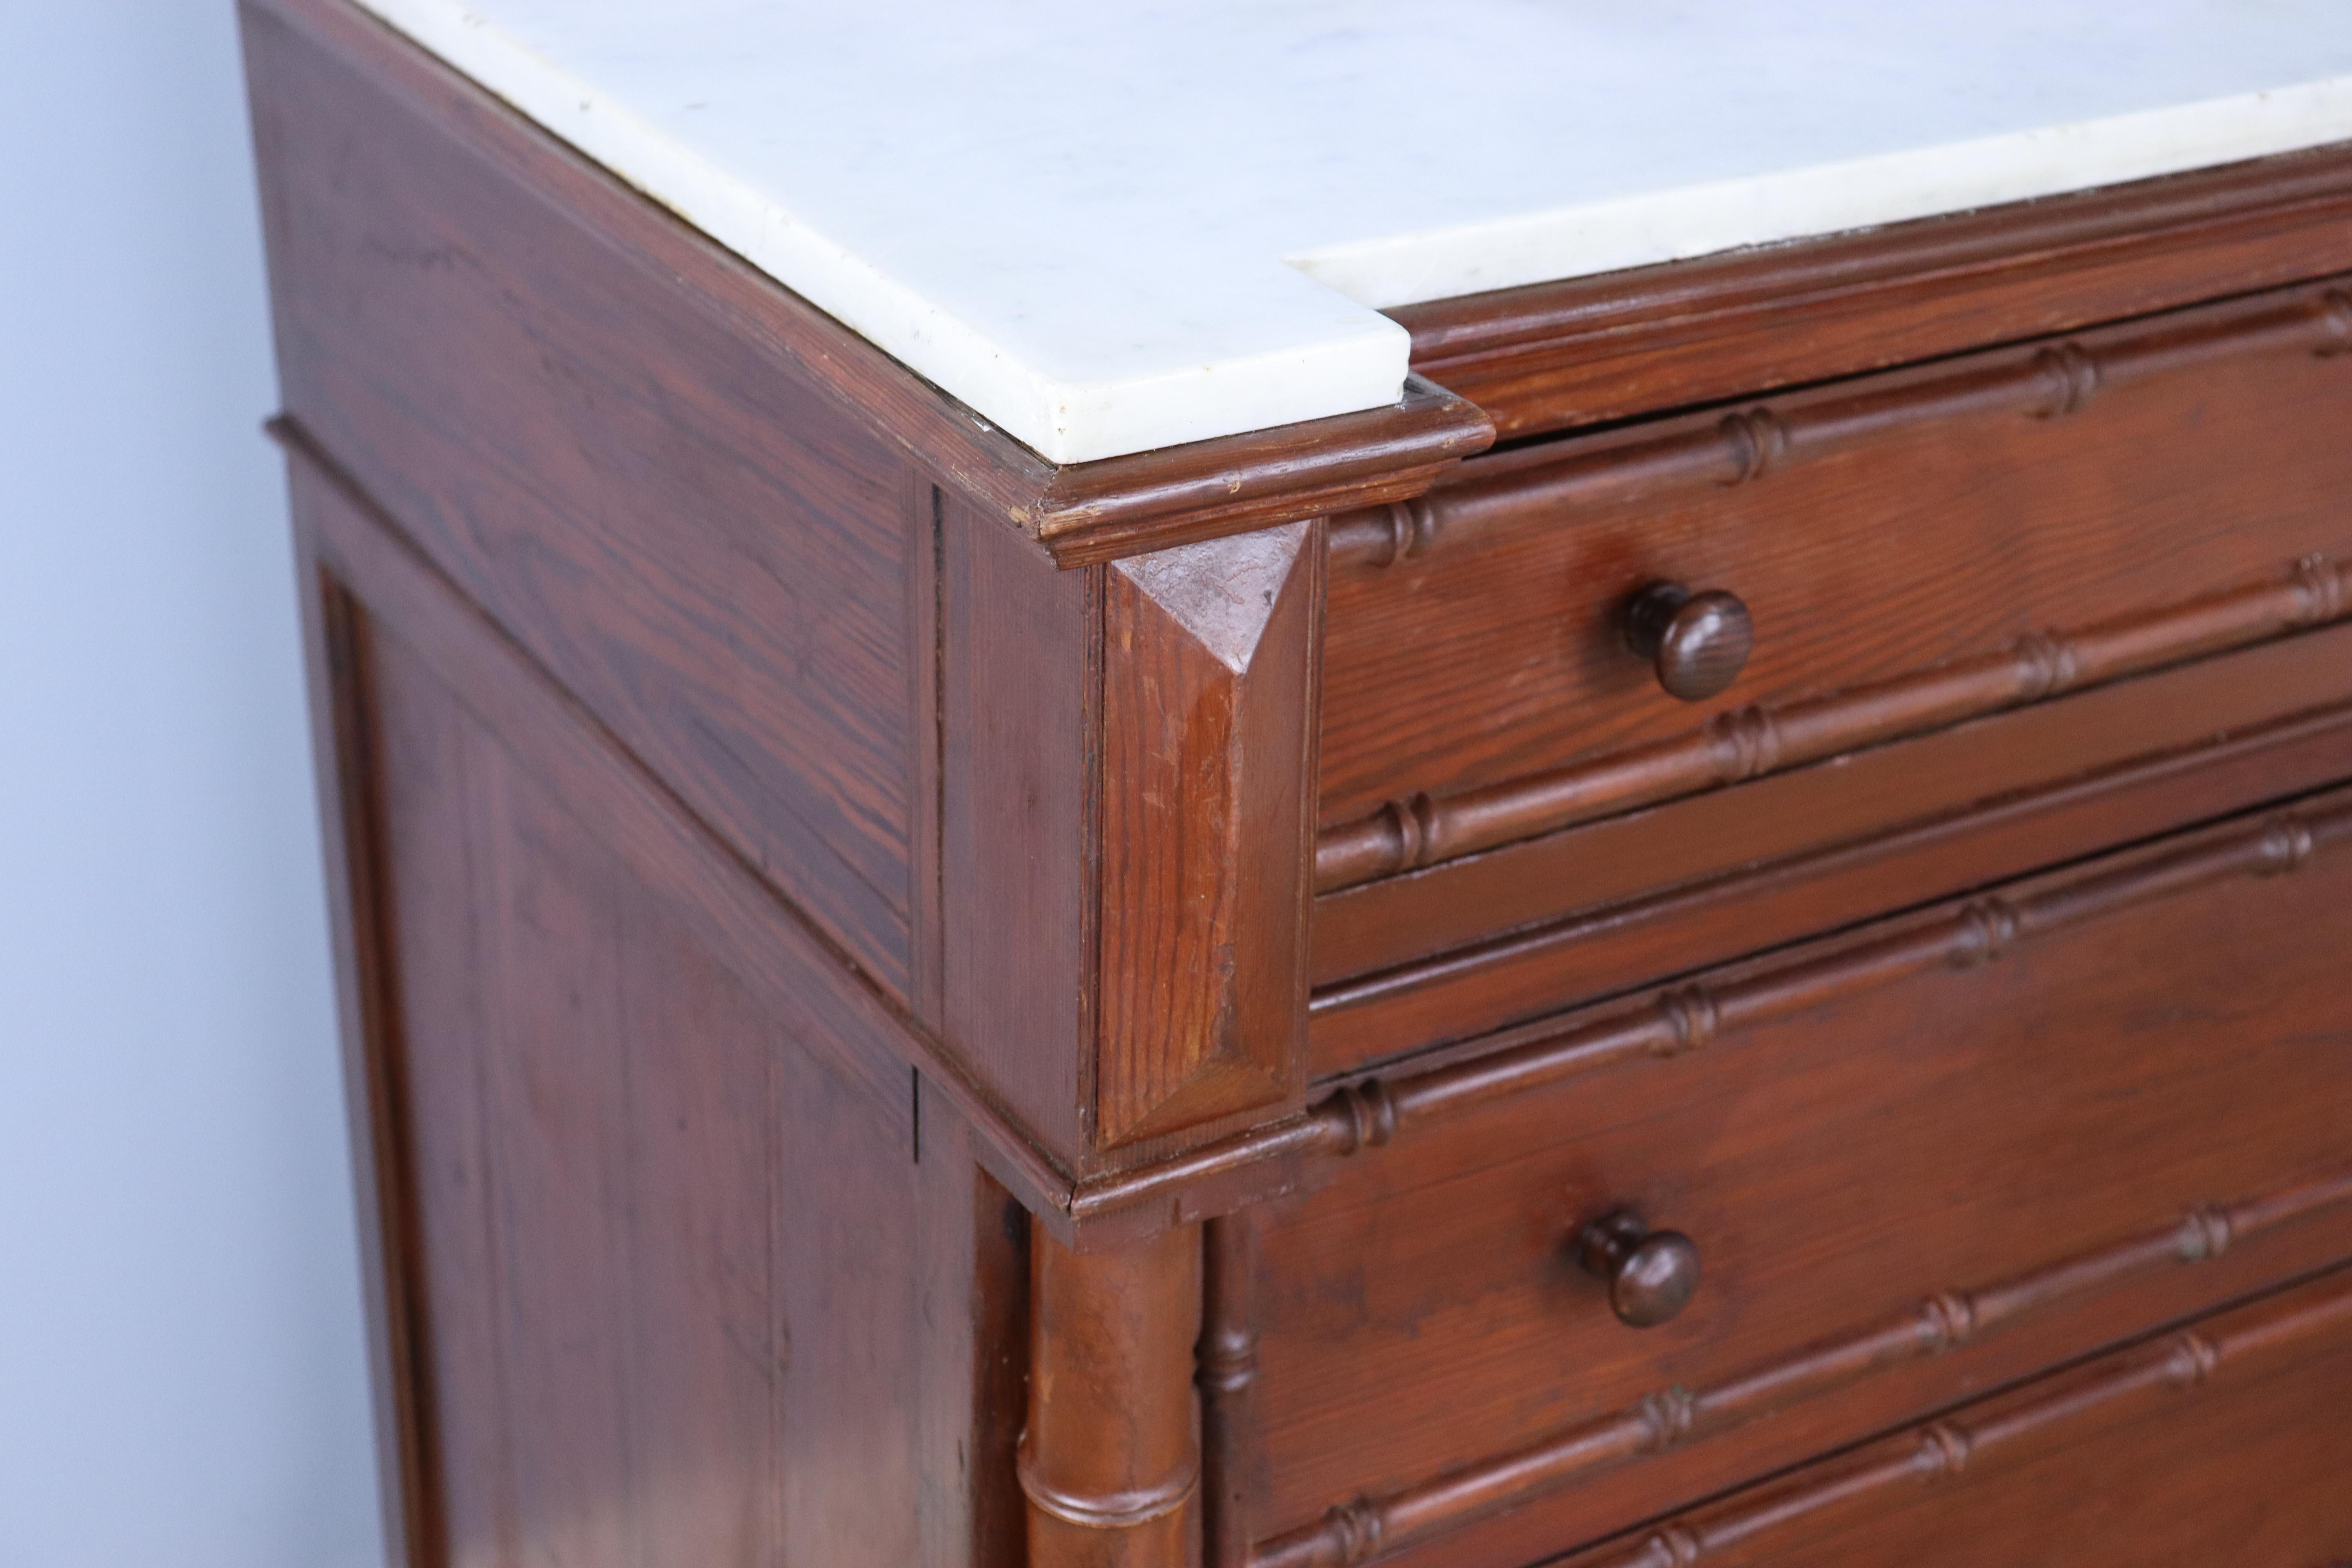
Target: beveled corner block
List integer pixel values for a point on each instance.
(1208, 721)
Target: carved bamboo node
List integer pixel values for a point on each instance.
(2050, 662)
(1943, 1451)
(1692, 1016)
(1107, 1510)
(1412, 528)
(1758, 439)
(1412, 828)
(1368, 1115)
(1667, 1416)
(2287, 846)
(2319, 584)
(1733, 747)
(1675, 1546)
(1947, 1319)
(1988, 930)
(2205, 1232)
(2335, 323)
(1228, 1362)
(1745, 741)
(2193, 1360)
(1354, 1528)
(2072, 375)
(1662, 1420)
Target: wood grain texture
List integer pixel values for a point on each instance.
(1396, 921)
(766, 942)
(1016, 659)
(1473, 990)
(1179, 495)
(1208, 767)
(702, 546)
(2104, 1460)
(2008, 1099)
(1754, 742)
(823, 897)
(1079, 513)
(1669, 1417)
(1232, 1468)
(1917, 575)
(1591, 349)
(2046, 380)
(1111, 1461)
(341, 731)
(673, 1261)
(1436, 1088)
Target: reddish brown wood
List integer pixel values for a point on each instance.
(1845, 1130)
(1473, 990)
(1921, 567)
(1082, 513)
(1207, 828)
(1015, 667)
(1684, 1017)
(2113, 1493)
(1111, 1462)
(334, 648)
(1752, 741)
(1128, 760)
(701, 545)
(2046, 380)
(1379, 925)
(823, 896)
(1604, 348)
(1232, 1473)
(1670, 1417)
(682, 527)
(637, 1329)
(1179, 495)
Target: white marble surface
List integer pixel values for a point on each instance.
(1109, 225)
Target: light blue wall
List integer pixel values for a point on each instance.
(182, 1373)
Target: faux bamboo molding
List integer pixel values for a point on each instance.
(1366, 1528)
(1425, 829)
(1682, 1019)
(1686, 1018)
(1228, 1381)
(2004, 1429)
(2047, 381)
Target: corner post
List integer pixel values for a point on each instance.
(1111, 1459)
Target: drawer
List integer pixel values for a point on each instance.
(1912, 551)
(2222, 1442)
(1916, 1161)
(1479, 943)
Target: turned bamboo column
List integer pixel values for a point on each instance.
(1111, 1459)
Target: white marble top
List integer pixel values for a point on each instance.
(1113, 224)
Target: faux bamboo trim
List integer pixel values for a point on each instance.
(1746, 743)
(2006, 1429)
(1366, 1528)
(2047, 379)
(1680, 1019)
(1228, 1381)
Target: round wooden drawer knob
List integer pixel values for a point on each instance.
(1651, 1273)
(1697, 642)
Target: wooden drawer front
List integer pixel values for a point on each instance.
(1917, 1162)
(1915, 549)
(2226, 1442)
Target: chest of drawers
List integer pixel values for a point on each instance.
(1719, 937)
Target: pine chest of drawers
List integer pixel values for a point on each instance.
(1724, 937)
